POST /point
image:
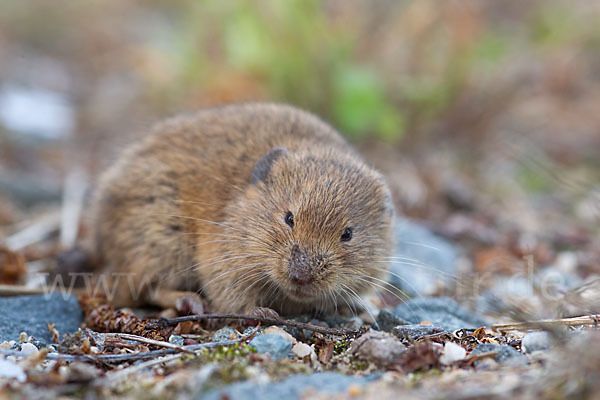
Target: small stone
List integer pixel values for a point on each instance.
(9, 369)
(224, 334)
(452, 353)
(29, 348)
(417, 331)
(506, 354)
(302, 350)
(22, 337)
(275, 330)
(176, 339)
(535, 341)
(276, 345)
(381, 348)
(386, 321)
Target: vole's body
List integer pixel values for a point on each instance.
(204, 204)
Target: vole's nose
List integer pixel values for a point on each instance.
(300, 269)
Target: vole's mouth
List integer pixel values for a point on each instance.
(301, 293)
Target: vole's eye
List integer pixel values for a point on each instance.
(347, 235)
(289, 219)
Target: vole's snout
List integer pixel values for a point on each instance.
(302, 268)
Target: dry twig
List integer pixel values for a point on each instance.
(545, 324)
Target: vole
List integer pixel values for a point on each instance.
(249, 205)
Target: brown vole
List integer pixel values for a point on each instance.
(251, 205)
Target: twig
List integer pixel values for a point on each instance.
(153, 342)
(544, 324)
(164, 322)
(127, 357)
(125, 372)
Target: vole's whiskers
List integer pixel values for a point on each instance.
(231, 271)
(422, 265)
(403, 279)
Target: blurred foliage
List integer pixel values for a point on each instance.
(379, 70)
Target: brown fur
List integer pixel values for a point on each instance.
(179, 210)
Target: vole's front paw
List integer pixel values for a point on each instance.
(189, 303)
(264, 312)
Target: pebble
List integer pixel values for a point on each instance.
(29, 348)
(275, 330)
(224, 334)
(381, 348)
(33, 313)
(176, 339)
(386, 321)
(535, 341)
(452, 353)
(442, 311)
(9, 369)
(506, 354)
(276, 345)
(416, 331)
(302, 350)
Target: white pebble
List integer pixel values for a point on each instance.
(9, 369)
(29, 348)
(452, 353)
(302, 350)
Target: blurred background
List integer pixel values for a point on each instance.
(484, 115)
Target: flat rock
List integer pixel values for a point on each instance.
(416, 331)
(292, 388)
(441, 311)
(32, 314)
(423, 260)
(506, 354)
(276, 345)
(386, 321)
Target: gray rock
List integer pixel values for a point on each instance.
(176, 339)
(381, 348)
(224, 334)
(413, 332)
(276, 345)
(386, 321)
(292, 388)
(534, 341)
(506, 354)
(439, 310)
(424, 259)
(32, 314)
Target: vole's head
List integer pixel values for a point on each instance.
(318, 224)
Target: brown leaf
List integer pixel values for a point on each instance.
(422, 356)
(326, 352)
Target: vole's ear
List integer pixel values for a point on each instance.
(263, 166)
